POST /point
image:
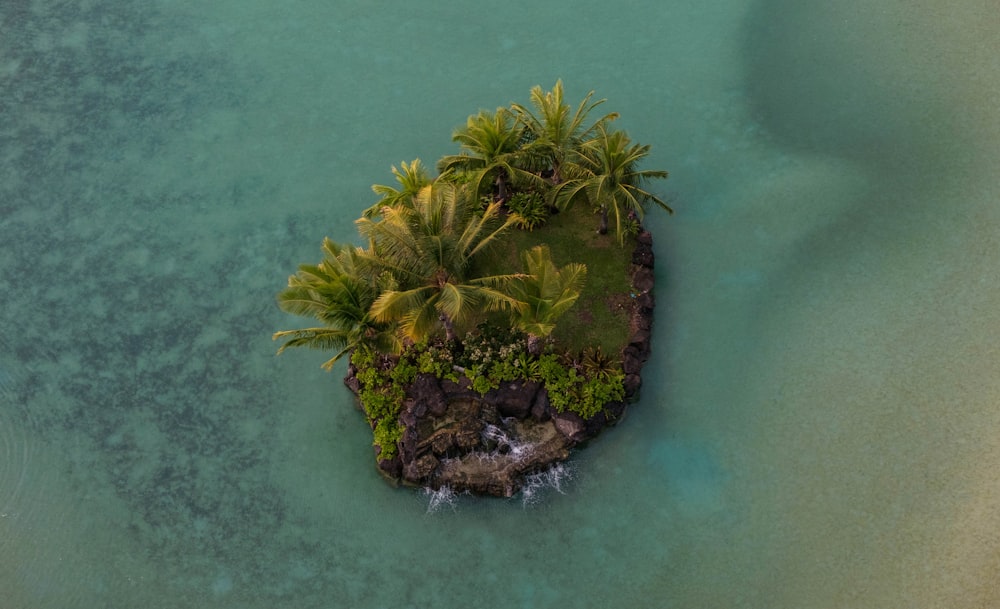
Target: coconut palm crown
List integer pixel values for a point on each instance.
(547, 291)
(554, 129)
(429, 249)
(411, 179)
(605, 174)
(491, 149)
(339, 296)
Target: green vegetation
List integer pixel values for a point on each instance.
(458, 274)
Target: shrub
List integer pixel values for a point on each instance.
(381, 393)
(530, 209)
(584, 394)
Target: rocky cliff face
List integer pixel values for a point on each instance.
(489, 444)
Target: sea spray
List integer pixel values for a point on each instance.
(536, 485)
(440, 498)
(505, 444)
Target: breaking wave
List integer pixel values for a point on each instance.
(538, 485)
(440, 499)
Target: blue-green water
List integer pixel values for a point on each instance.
(820, 426)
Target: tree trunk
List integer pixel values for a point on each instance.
(502, 187)
(534, 344)
(603, 229)
(449, 328)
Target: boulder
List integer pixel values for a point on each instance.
(502, 472)
(615, 411)
(351, 380)
(570, 425)
(642, 255)
(645, 303)
(514, 399)
(633, 382)
(420, 469)
(643, 280)
(540, 408)
(594, 425)
(632, 360)
(392, 468)
(426, 395)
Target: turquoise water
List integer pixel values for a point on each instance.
(819, 428)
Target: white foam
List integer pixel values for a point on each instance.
(438, 499)
(536, 485)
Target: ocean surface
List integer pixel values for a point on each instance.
(820, 423)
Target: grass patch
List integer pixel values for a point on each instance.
(600, 316)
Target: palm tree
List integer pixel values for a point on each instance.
(491, 150)
(338, 295)
(605, 173)
(411, 179)
(429, 249)
(557, 131)
(547, 291)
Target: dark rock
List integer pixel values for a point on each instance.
(426, 395)
(595, 424)
(391, 467)
(643, 255)
(417, 471)
(461, 389)
(410, 443)
(408, 418)
(570, 425)
(351, 380)
(615, 411)
(442, 443)
(640, 342)
(540, 408)
(460, 427)
(633, 382)
(514, 399)
(502, 474)
(645, 302)
(632, 360)
(641, 323)
(643, 280)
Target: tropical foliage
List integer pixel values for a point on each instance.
(555, 131)
(335, 293)
(493, 155)
(429, 249)
(606, 174)
(417, 297)
(548, 292)
(411, 179)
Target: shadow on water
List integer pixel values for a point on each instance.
(865, 397)
(905, 96)
(891, 86)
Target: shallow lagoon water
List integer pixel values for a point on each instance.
(819, 424)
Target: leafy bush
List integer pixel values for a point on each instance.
(583, 394)
(530, 209)
(491, 356)
(381, 394)
(489, 344)
(435, 359)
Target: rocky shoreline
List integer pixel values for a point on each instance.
(487, 445)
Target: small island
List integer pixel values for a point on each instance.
(477, 358)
